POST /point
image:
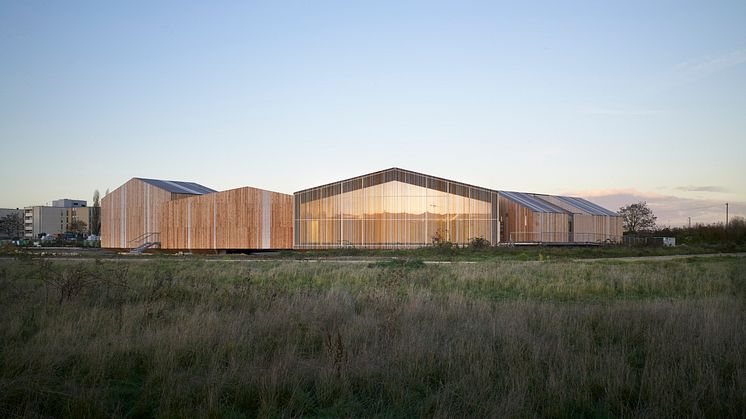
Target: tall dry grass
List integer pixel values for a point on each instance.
(291, 339)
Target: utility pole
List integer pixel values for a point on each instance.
(690, 223)
(726, 220)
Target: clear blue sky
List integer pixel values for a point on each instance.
(611, 100)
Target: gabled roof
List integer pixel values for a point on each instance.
(531, 202)
(396, 174)
(175, 186)
(391, 174)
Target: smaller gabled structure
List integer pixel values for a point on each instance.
(589, 222)
(132, 214)
(236, 219)
(525, 218)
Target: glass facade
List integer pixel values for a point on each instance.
(393, 209)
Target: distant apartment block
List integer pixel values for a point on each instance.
(68, 203)
(57, 219)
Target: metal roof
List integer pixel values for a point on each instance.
(396, 174)
(175, 186)
(399, 170)
(587, 206)
(531, 202)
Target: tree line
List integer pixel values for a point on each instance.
(638, 219)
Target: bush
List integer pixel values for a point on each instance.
(8, 249)
(479, 243)
(708, 233)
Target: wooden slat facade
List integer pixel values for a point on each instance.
(131, 211)
(392, 209)
(243, 218)
(589, 228)
(520, 224)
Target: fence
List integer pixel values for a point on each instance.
(563, 237)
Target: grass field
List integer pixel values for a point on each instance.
(520, 253)
(184, 338)
(432, 253)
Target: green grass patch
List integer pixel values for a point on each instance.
(394, 337)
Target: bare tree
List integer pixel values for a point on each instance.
(12, 225)
(638, 217)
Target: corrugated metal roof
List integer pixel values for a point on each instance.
(175, 186)
(395, 169)
(587, 206)
(533, 203)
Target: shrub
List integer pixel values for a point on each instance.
(479, 243)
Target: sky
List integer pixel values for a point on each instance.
(614, 101)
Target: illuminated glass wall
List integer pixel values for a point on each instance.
(391, 209)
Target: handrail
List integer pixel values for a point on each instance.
(142, 238)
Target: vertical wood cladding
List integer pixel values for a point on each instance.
(589, 228)
(398, 208)
(388, 209)
(243, 218)
(130, 211)
(521, 224)
(393, 209)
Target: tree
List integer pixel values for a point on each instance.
(96, 214)
(12, 225)
(78, 227)
(637, 217)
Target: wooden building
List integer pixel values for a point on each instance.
(243, 218)
(397, 208)
(393, 208)
(589, 223)
(131, 215)
(526, 219)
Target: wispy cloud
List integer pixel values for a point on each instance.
(706, 66)
(680, 74)
(692, 188)
(610, 111)
(614, 192)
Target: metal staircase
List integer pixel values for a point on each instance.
(144, 242)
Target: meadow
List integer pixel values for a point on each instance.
(396, 338)
(448, 252)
